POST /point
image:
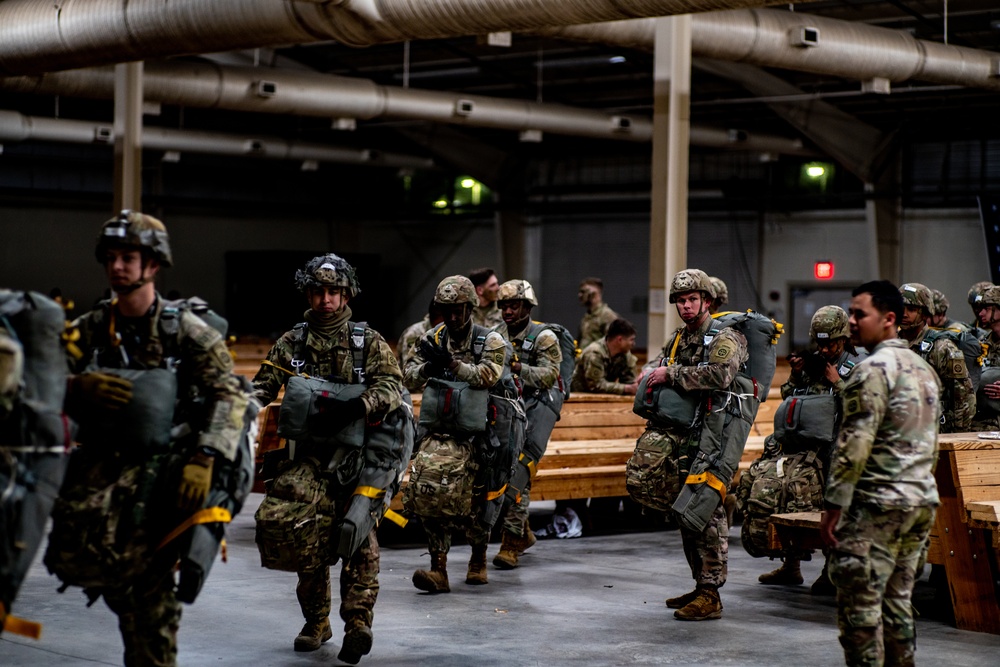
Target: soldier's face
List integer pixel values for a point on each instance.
(869, 326)
(586, 295)
(913, 317)
(456, 316)
(126, 267)
(831, 349)
(326, 300)
(989, 315)
(691, 306)
(488, 290)
(514, 311)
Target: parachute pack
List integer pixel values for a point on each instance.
(34, 436)
(567, 345)
(762, 334)
(966, 341)
(775, 486)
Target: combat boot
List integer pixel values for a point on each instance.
(682, 600)
(357, 640)
(313, 634)
(507, 558)
(706, 606)
(436, 579)
(823, 585)
(788, 574)
(477, 567)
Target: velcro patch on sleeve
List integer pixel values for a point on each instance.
(722, 351)
(853, 403)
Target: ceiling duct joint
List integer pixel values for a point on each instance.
(531, 136)
(803, 36)
(877, 86)
(621, 124)
(345, 124)
(104, 134)
(253, 147)
(504, 39)
(464, 108)
(995, 68)
(266, 89)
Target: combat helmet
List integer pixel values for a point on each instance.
(829, 323)
(455, 290)
(132, 229)
(328, 270)
(991, 296)
(940, 301)
(976, 292)
(721, 290)
(517, 289)
(691, 280)
(917, 295)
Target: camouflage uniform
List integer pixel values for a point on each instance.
(537, 378)
(597, 371)
(488, 316)
(409, 337)
(958, 398)
(594, 324)
(482, 374)
(882, 475)
(986, 419)
(326, 352)
(707, 552)
(148, 611)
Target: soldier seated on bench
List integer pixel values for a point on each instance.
(607, 366)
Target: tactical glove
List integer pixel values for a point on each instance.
(437, 357)
(103, 390)
(196, 479)
(333, 415)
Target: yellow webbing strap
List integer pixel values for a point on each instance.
(207, 515)
(710, 479)
(532, 466)
(493, 495)
(20, 626)
(369, 492)
(284, 370)
(673, 349)
(396, 518)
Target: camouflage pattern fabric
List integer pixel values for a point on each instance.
(882, 475)
(483, 374)
(409, 337)
(958, 397)
(359, 586)
(598, 372)
(594, 324)
(652, 474)
(707, 551)
(148, 618)
(801, 383)
(986, 420)
(488, 316)
(539, 371)
(330, 356)
(884, 456)
(873, 568)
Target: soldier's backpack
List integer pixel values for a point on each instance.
(965, 340)
(776, 486)
(762, 334)
(34, 435)
(567, 345)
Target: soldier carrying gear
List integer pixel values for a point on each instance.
(829, 323)
(988, 395)
(691, 280)
(349, 425)
(975, 300)
(721, 294)
(136, 231)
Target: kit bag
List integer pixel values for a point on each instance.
(665, 405)
(299, 406)
(806, 422)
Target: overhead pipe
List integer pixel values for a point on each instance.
(806, 43)
(17, 127)
(42, 35)
(301, 93)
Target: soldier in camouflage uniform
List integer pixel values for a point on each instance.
(824, 372)
(414, 332)
(881, 493)
(322, 349)
(607, 366)
(958, 397)
(694, 361)
(594, 324)
(485, 313)
(976, 304)
(987, 416)
(537, 365)
(721, 294)
(128, 332)
(448, 352)
(939, 313)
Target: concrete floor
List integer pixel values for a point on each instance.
(596, 600)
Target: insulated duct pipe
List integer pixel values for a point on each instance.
(282, 91)
(42, 35)
(18, 127)
(790, 40)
